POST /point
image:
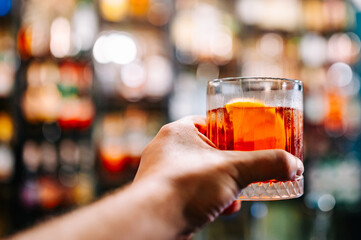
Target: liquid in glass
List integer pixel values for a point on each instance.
(248, 125)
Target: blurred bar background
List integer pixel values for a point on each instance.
(85, 85)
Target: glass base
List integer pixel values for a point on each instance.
(269, 191)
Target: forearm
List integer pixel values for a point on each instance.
(140, 211)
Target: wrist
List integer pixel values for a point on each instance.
(160, 208)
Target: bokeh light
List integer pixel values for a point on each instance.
(7, 164)
(5, 7)
(339, 74)
(113, 10)
(313, 49)
(6, 127)
(266, 14)
(116, 47)
(259, 210)
(159, 77)
(201, 33)
(60, 38)
(326, 202)
(83, 37)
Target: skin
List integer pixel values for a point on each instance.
(183, 182)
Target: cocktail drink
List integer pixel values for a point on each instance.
(248, 114)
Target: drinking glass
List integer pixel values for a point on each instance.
(257, 113)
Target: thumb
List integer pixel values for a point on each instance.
(256, 166)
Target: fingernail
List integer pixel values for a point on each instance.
(300, 168)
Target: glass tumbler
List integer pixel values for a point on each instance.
(258, 113)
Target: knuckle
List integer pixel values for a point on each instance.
(174, 129)
(281, 155)
(168, 129)
(283, 161)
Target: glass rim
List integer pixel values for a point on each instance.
(268, 79)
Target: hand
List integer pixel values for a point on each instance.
(182, 183)
(206, 180)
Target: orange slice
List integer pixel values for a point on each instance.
(255, 125)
